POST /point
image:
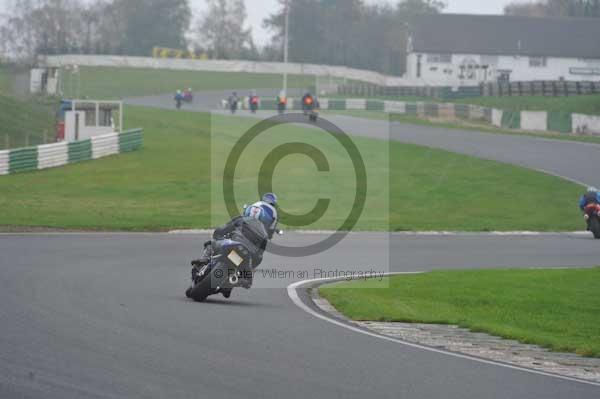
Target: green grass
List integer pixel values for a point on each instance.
(167, 184)
(557, 309)
(5, 80)
(24, 121)
(460, 124)
(113, 82)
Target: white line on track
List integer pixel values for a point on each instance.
(292, 291)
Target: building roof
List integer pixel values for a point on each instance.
(507, 35)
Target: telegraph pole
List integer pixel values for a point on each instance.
(286, 47)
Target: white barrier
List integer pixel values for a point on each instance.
(497, 117)
(534, 120)
(107, 144)
(585, 124)
(227, 66)
(394, 107)
(4, 161)
(324, 103)
(52, 155)
(356, 104)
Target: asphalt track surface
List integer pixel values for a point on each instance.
(104, 316)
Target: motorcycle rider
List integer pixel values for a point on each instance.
(592, 196)
(308, 102)
(250, 229)
(281, 102)
(233, 102)
(265, 211)
(253, 101)
(178, 98)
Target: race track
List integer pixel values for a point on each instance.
(104, 316)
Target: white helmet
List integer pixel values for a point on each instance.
(592, 189)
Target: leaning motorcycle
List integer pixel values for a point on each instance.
(591, 213)
(254, 101)
(229, 267)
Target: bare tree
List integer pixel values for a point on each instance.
(221, 29)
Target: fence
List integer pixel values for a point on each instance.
(553, 121)
(536, 88)
(59, 154)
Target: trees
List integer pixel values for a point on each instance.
(150, 23)
(131, 27)
(348, 32)
(222, 30)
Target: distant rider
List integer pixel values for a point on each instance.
(178, 98)
(592, 196)
(233, 102)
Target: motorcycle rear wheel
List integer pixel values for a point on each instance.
(206, 286)
(595, 227)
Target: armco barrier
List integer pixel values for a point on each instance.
(52, 155)
(23, 160)
(4, 162)
(534, 120)
(560, 121)
(585, 124)
(80, 151)
(58, 154)
(130, 140)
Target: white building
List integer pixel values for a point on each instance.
(455, 49)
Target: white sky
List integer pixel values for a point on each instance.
(259, 9)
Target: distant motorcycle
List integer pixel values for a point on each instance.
(178, 101)
(591, 214)
(254, 102)
(233, 104)
(281, 105)
(188, 97)
(310, 107)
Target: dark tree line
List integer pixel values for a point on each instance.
(131, 27)
(347, 32)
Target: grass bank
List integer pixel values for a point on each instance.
(167, 184)
(24, 121)
(557, 309)
(115, 82)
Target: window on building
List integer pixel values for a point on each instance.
(439, 58)
(537, 62)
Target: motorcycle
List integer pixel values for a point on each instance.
(178, 103)
(188, 97)
(310, 108)
(233, 105)
(592, 217)
(254, 100)
(281, 106)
